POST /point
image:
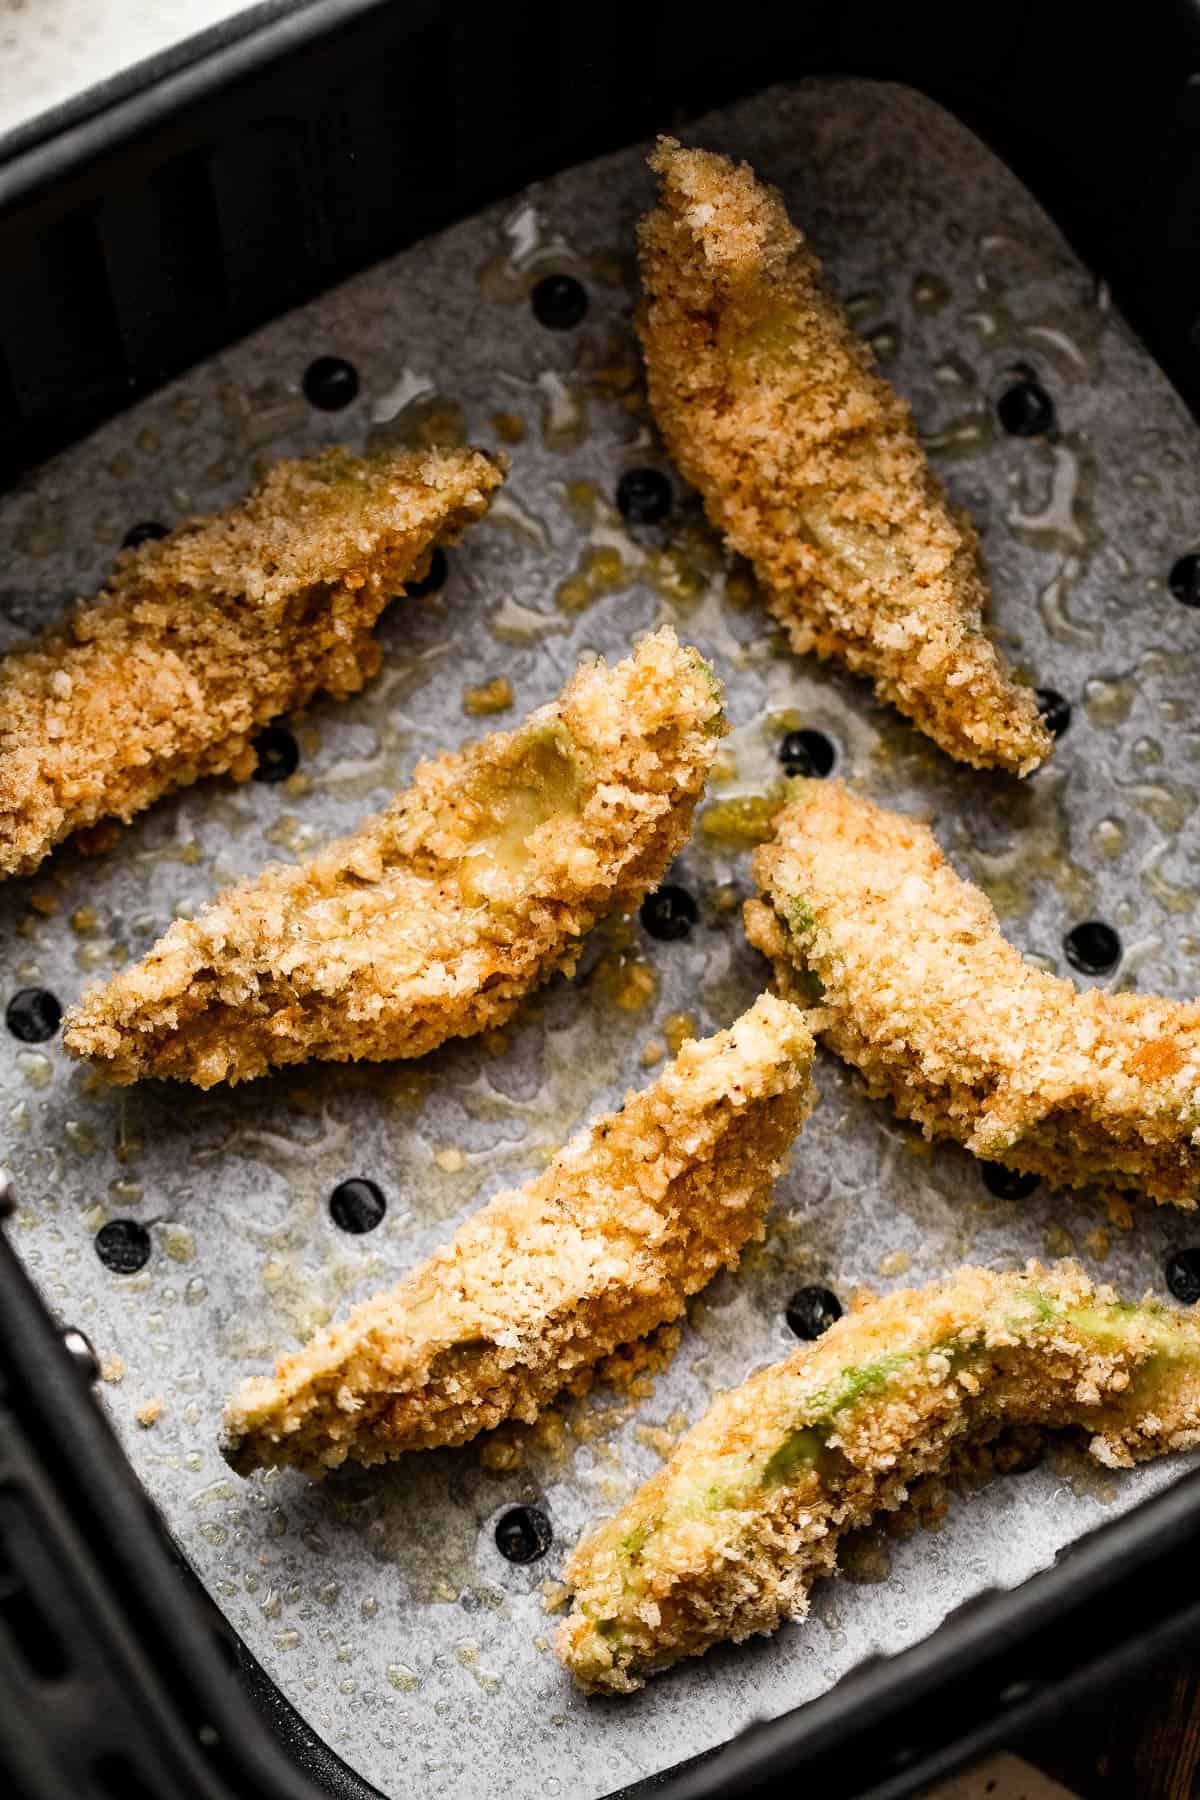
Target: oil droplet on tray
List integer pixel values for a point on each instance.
(1107, 699)
(929, 292)
(35, 1068)
(1108, 836)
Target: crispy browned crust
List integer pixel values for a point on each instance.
(440, 914)
(726, 1540)
(203, 636)
(634, 1215)
(808, 461)
(942, 1015)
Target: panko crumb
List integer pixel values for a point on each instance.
(1119, 1212)
(490, 697)
(809, 462)
(112, 1369)
(1098, 1243)
(922, 993)
(438, 916)
(509, 427)
(726, 1540)
(150, 1411)
(634, 1215)
(203, 636)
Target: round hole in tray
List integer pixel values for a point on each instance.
(559, 302)
(669, 913)
(1182, 1270)
(330, 383)
(1026, 409)
(144, 532)
(1093, 947)
(433, 580)
(33, 1015)
(357, 1205)
(523, 1534)
(812, 1310)
(1184, 579)
(1008, 1184)
(278, 754)
(123, 1246)
(644, 496)
(1055, 711)
(807, 753)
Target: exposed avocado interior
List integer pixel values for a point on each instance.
(544, 784)
(863, 550)
(801, 922)
(631, 1544)
(713, 681)
(803, 1450)
(800, 916)
(775, 337)
(743, 819)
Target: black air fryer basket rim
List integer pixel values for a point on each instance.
(1113, 1601)
(95, 119)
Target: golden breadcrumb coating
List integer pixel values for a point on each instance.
(201, 637)
(438, 915)
(636, 1213)
(809, 463)
(941, 1014)
(726, 1540)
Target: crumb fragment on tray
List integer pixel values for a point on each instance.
(489, 697)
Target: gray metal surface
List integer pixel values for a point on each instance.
(379, 1601)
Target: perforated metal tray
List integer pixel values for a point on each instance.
(379, 1601)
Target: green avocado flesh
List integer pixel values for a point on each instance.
(709, 674)
(800, 916)
(545, 784)
(1106, 1326)
(803, 1450)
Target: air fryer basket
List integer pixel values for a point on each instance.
(378, 1603)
